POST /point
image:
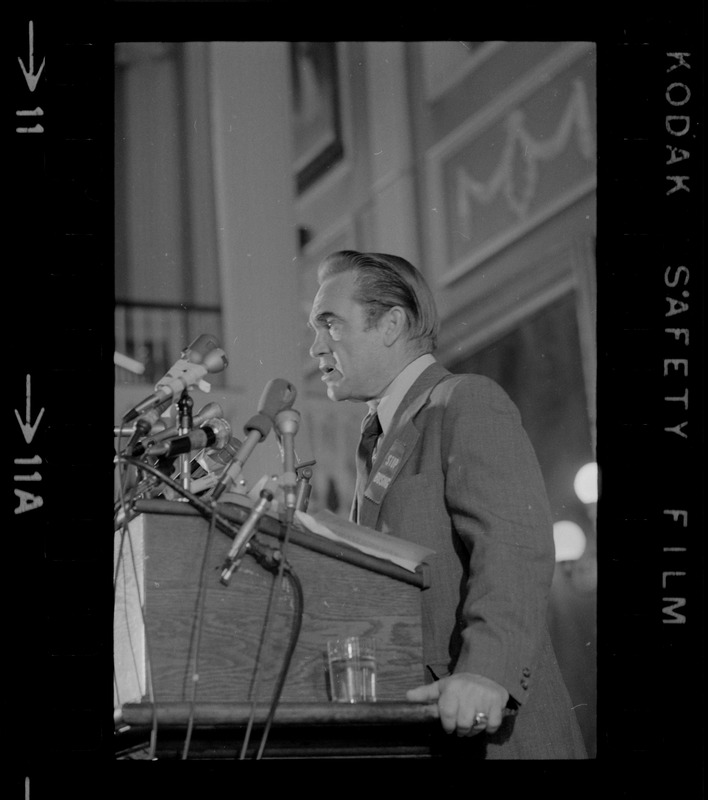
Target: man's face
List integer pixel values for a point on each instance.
(353, 361)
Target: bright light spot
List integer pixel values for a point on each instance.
(569, 540)
(585, 484)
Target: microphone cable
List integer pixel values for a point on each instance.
(206, 511)
(275, 562)
(292, 644)
(201, 604)
(204, 508)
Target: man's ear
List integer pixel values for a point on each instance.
(394, 324)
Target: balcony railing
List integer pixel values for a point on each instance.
(154, 334)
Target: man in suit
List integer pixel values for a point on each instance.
(452, 470)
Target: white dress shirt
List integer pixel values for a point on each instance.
(391, 397)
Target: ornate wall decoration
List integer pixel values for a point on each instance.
(513, 166)
(518, 183)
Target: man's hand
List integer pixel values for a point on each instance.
(460, 697)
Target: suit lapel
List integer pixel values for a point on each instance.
(398, 444)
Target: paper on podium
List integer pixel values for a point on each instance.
(374, 543)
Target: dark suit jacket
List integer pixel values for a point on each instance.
(457, 473)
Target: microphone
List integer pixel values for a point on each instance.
(215, 460)
(199, 348)
(210, 463)
(233, 559)
(286, 426)
(198, 359)
(215, 433)
(209, 411)
(129, 430)
(277, 396)
(144, 425)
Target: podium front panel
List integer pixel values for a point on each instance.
(216, 631)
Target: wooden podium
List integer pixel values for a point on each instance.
(159, 562)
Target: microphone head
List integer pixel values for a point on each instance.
(219, 429)
(199, 348)
(215, 360)
(209, 411)
(278, 395)
(222, 431)
(260, 423)
(287, 421)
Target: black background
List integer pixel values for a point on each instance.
(58, 592)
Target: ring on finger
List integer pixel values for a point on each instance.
(480, 721)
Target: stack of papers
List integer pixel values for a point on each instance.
(374, 543)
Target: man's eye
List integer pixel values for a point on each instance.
(334, 328)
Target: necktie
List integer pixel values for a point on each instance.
(370, 432)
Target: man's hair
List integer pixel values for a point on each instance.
(382, 281)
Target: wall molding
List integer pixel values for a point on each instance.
(573, 128)
(533, 80)
(435, 88)
(454, 348)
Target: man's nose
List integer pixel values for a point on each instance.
(319, 345)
